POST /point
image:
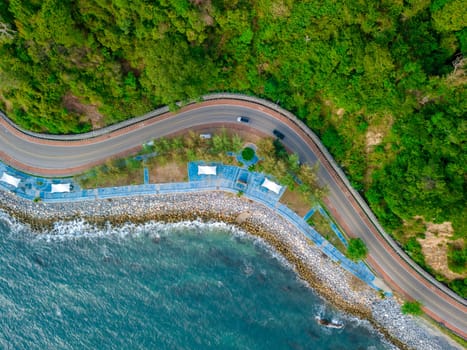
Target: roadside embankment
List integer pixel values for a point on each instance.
(332, 282)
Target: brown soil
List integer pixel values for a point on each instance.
(357, 284)
(295, 202)
(73, 104)
(340, 112)
(379, 127)
(459, 75)
(435, 248)
(373, 138)
(280, 9)
(170, 172)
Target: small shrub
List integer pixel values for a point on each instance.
(412, 308)
(457, 258)
(459, 286)
(357, 249)
(248, 153)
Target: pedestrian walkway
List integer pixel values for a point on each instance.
(226, 178)
(146, 176)
(309, 214)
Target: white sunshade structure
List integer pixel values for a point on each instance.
(207, 170)
(60, 188)
(13, 181)
(272, 186)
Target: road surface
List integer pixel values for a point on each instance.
(61, 158)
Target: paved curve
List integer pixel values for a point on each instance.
(53, 157)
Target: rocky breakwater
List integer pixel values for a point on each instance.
(327, 278)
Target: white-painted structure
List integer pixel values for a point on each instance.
(61, 188)
(13, 181)
(207, 170)
(272, 186)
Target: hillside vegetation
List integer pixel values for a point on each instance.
(381, 82)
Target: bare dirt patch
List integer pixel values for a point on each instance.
(459, 75)
(73, 104)
(295, 202)
(435, 248)
(280, 9)
(379, 127)
(170, 172)
(337, 112)
(373, 138)
(357, 284)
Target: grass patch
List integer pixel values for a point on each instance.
(322, 226)
(166, 159)
(117, 172)
(414, 250)
(457, 258)
(412, 308)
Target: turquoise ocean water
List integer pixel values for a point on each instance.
(154, 286)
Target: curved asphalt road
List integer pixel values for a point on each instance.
(51, 158)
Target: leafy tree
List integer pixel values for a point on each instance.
(450, 16)
(345, 68)
(248, 153)
(357, 249)
(459, 286)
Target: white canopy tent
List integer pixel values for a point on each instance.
(272, 186)
(14, 181)
(61, 188)
(207, 170)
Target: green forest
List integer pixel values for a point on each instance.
(383, 83)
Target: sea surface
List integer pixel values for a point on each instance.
(159, 286)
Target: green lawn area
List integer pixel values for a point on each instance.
(321, 225)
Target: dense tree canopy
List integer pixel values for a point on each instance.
(350, 70)
(357, 249)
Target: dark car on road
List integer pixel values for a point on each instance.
(243, 119)
(278, 134)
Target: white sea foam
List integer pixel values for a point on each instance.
(79, 229)
(13, 225)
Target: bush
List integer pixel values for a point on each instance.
(412, 308)
(357, 249)
(459, 286)
(457, 258)
(248, 153)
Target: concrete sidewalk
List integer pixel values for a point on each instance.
(228, 178)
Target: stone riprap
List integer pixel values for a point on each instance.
(331, 281)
